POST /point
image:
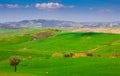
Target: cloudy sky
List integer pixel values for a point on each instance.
(69, 10)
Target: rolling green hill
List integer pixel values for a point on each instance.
(69, 42)
(39, 50)
(99, 43)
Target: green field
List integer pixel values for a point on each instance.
(20, 44)
(85, 66)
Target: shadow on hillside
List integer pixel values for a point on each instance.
(87, 34)
(90, 34)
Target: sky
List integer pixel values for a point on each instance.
(68, 10)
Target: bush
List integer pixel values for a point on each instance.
(68, 54)
(89, 54)
(57, 55)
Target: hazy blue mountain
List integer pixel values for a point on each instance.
(40, 23)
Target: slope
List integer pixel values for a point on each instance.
(67, 42)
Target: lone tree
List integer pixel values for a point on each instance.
(14, 61)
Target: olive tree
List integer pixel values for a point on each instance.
(14, 61)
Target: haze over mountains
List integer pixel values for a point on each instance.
(41, 23)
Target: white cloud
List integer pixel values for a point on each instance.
(13, 6)
(51, 5)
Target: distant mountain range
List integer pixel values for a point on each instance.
(115, 24)
(41, 23)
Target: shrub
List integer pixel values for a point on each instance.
(89, 54)
(14, 61)
(68, 54)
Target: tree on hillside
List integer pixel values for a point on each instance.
(14, 61)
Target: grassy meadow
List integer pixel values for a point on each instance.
(37, 54)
